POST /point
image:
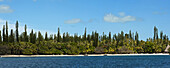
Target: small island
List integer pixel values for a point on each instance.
(84, 34)
(35, 44)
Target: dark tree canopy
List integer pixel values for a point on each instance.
(17, 32)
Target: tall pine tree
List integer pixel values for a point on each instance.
(161, 36)
(17, 32)
(40, 37)
(109, 37)
(155, 33)
(137, 38)
(130, 34)
(31, 36)
(4, 37)
(34, 38)
(25, 34)
(6, 31)
(84, 36)
(67, 37)
(64, 37)
(58, 35)
(46, 36)
(55, 38)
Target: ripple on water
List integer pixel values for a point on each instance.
(87, 62)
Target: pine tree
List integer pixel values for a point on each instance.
(75, 37)
(79, 38)
(155, 33)
(51, 37)
(130, 34)
(58, 36)
(137, 38)
(92, 36)
(55, 38)
(64, 38)
(40, 37)
(4, 37)
(67, 37)
(84, 36)
(114, 37)
(17, 33)
(46, 37)
(34, 38)
(122, 35)
(22, 37)
(109, 37)
(104, 37)
(161, 36)
(88, 38)
(25, 34)
(6, 31)
(11, 38)
(96, 39)
(31, 36)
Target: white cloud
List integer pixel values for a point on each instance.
(1, 0)
(5, 9)
(122, 14)
(73, 21)
(117, 19)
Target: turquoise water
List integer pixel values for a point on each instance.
(87, 62)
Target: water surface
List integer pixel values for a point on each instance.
(87, 62)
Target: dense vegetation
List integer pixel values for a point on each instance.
(86, 44)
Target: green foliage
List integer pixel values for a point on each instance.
(77, 44)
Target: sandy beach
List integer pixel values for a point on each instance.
(83, 55)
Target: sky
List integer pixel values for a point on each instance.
(96, 15)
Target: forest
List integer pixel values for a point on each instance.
(35, 43)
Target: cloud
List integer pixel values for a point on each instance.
(117, 19)
(1, 0)
(5, 9)
(73, 21)
(122, 14)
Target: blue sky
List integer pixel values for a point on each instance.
(96, 15)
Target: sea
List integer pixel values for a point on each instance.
(160, 61)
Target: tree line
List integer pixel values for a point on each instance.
(24, 43)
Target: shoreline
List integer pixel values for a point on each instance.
(144, 54)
